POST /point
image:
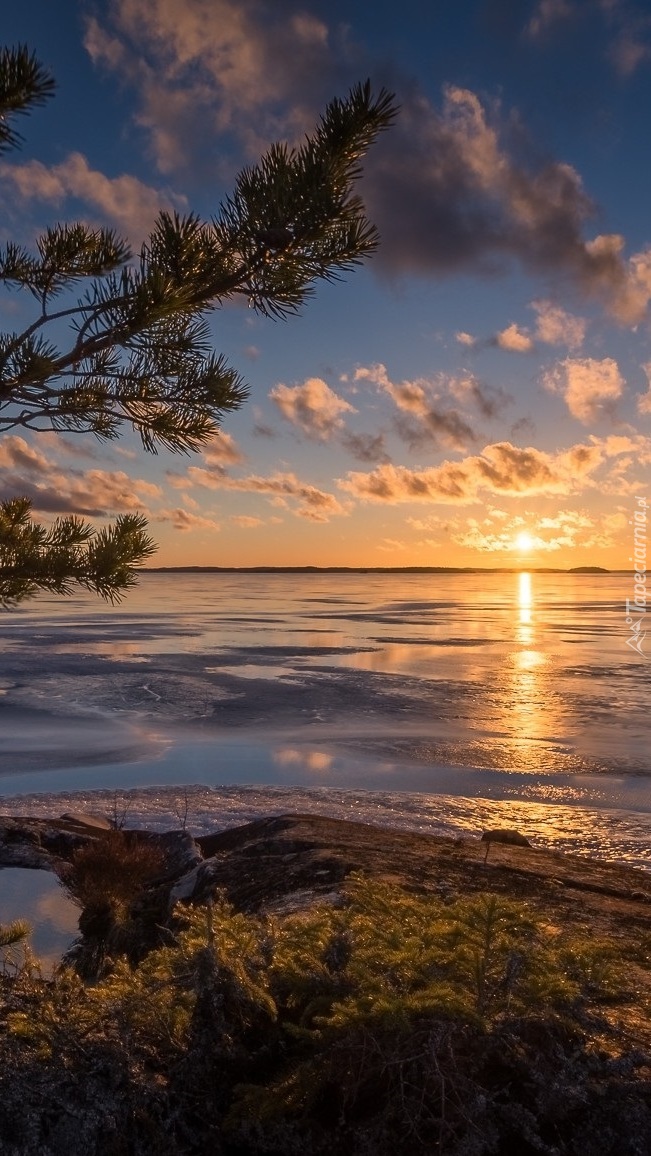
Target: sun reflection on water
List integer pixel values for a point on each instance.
(528, 714)
(525, 606)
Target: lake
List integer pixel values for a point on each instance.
(443, 702)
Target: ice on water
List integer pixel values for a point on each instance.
(444, 703)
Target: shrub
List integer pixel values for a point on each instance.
(112, 871)
(394, 1023)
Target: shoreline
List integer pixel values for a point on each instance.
(589, 836)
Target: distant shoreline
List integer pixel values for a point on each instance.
(376, 570)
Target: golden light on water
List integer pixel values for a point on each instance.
(526, 718)
(525, 688)
(525, 601)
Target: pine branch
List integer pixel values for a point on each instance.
(67, 554)
(24, 84)
(138, 350)
(292, 220)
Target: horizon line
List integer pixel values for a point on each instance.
(268, 569)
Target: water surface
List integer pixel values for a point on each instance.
(475, 691)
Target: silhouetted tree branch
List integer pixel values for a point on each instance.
(138, 348)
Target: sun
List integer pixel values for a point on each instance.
(524, 542)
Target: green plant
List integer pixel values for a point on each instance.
(12, 934)
(395, 1022)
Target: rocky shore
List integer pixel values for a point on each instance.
(291, 860)
(288, 863)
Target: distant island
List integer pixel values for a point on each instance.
(588, 570)
(375, 570)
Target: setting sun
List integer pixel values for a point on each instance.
(524, 542)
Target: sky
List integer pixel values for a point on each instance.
(479, 392)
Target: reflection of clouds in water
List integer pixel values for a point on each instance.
(56, 909)
(311, 760)
(37, 896)
(255, 670)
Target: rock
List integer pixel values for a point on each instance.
(87, 819)
(16, 834)
(21, 845)
(505, 835)
(25, 855)
(185, 887)
(198, 884)
(46, 843)
(181, 852)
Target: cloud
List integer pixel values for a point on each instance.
(213, 67)
(546, 14)
(314, 504)
(465, 338)
(123, 201)
(563, 519)
(628, 460)
(431, 522)
(262, 430)
(219, 453)
(643, 400)
(246, 521)
(628, 52)
(555, 326)
(501, 468)
(183, 520)
(489, 400)
(590, 387)
(514, 340)
(16, 453)
(445, 189)
(281, 488)
(312, 407)
(423, 419)
(80, 449)
(626, 285)
(567, 529)
(629, 47)
(222, 451)
(448, 196)
(365, 447)
(391, 545)
(469, 202)
(27, 473)
(627, 25)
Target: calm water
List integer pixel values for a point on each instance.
(37, 896)
(443, 702)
